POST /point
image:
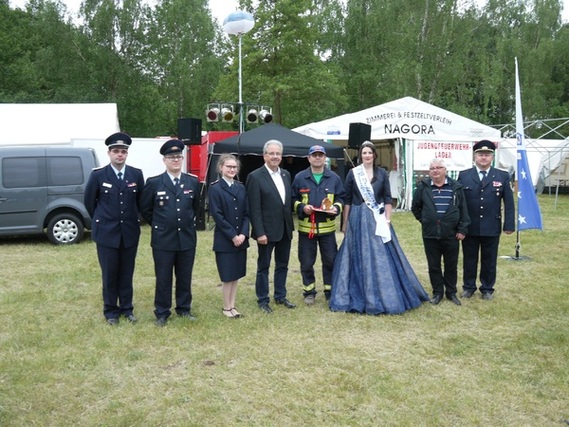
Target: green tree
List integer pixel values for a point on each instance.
(117, 32)
(184, 56)
(282, 66)
(43, 55)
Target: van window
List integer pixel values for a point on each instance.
(22, 172)
(64, 171)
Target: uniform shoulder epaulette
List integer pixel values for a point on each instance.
(191, 174)
(99, 168)
(214, 182)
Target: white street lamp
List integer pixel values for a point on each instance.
(237, 24)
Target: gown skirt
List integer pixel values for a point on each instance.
(370, 276)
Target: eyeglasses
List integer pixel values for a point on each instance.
(230, 166)
(436, 168)
(173, 157)
(274, 154)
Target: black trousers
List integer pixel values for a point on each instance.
(117, 271)
(445, 250)
(486, 249)
(166, 263)
(282, 255)
(307, 251)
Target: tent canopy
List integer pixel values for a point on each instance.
(56, 123)
(294, 144)
(249, 146)
(544, 157)
(406, 118)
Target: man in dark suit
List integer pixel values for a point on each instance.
(170, 203)
(112, 198)
(270, 211)
(486, 189)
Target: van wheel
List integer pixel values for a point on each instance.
(65, 229)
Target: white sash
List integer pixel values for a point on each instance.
(381, 226)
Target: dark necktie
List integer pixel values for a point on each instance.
(483, 176)
(119, 175)
(176, 182)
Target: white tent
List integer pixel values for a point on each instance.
(26, 124)
(77, 125)
(556, 167)
(406, 118)
(417, 131)
(545, 159)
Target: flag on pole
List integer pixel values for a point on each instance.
(529, 215)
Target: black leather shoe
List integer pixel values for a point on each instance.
(131, 318)
(113, 322)
(266, 308)
(436, 299)
(188, 316)
(161, 321)
(454, 299)
(466, 293)
(286, 303)
(487, 296)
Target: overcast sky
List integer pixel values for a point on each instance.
(221, 8)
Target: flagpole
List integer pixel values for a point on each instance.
(529, 215)
(518, 244)
(519, 130)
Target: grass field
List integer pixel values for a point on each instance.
(487, 363)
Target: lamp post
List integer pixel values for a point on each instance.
(237, 24)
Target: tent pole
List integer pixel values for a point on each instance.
(347, 156)
(203, 194)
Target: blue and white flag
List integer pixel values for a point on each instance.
(529, 215)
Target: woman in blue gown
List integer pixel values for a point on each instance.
(371, 273)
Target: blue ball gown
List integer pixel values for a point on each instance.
(370, 276)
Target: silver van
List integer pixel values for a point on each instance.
(41, 188)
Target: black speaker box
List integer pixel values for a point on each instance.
(190, 131)
(359, 132)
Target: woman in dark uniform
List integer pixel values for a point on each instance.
(228, 207)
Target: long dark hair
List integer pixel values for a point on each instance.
(367, 144)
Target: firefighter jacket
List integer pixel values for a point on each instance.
(305, 191)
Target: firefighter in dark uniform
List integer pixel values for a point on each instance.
(112, 198)
(486, 189)
(170, 203)
(317, 188)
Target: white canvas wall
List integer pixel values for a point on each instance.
(28, 124)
